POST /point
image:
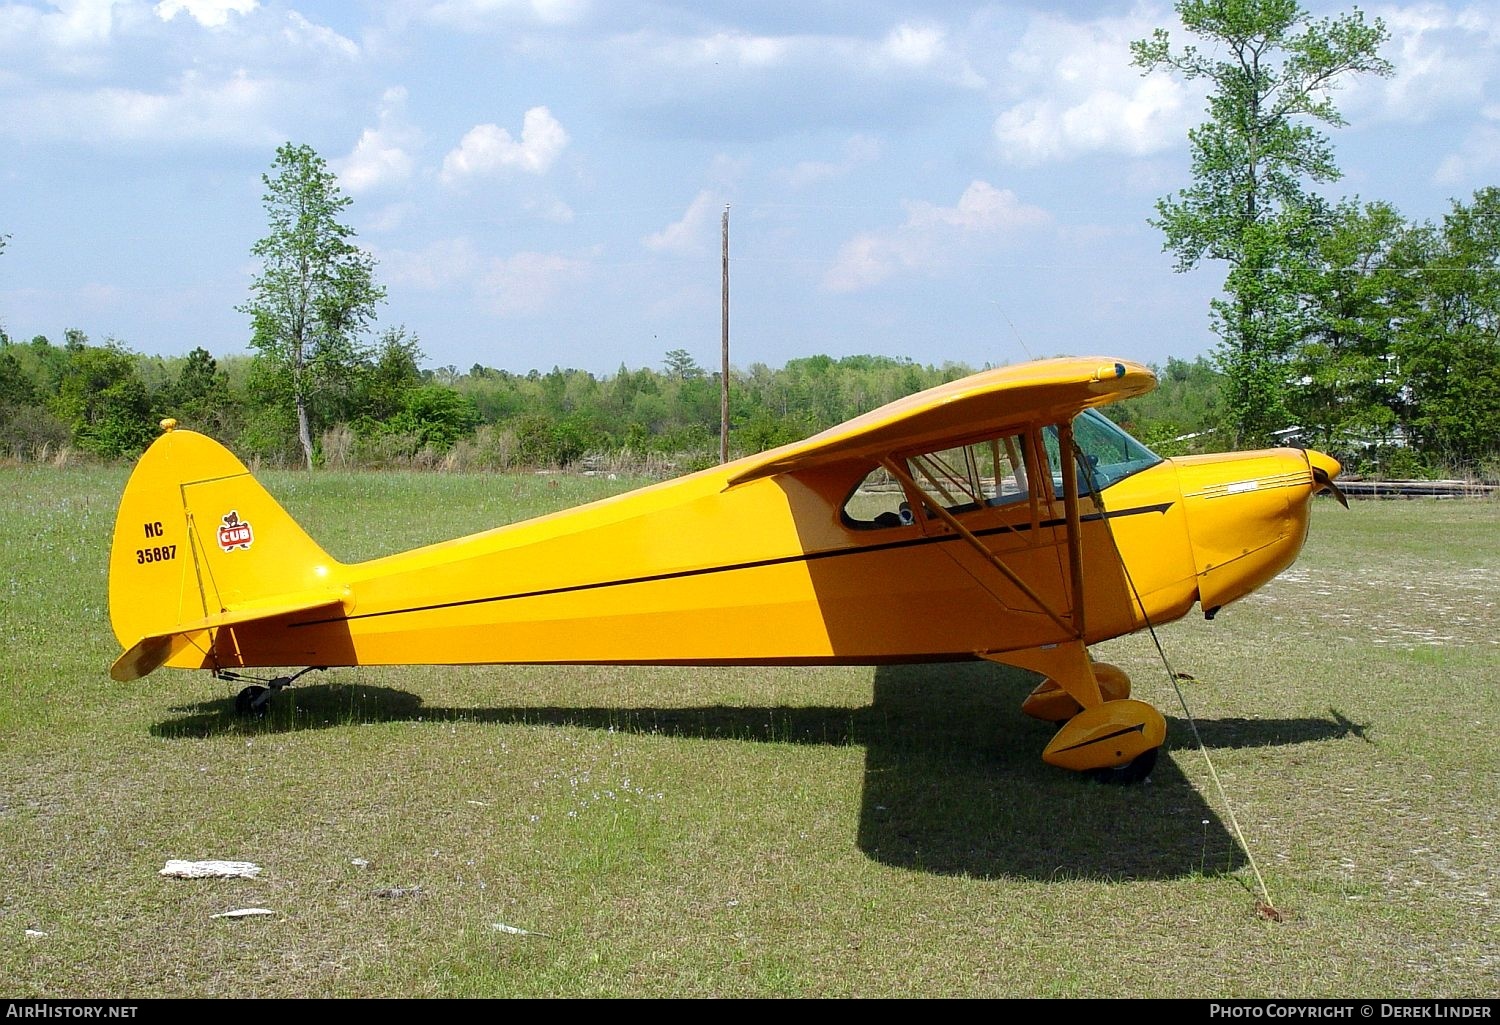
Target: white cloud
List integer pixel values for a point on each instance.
(520, 284)
(864, 261)
(232, 110)
(1444, 59)
(479, 14)
(528, 282)
(488, 148)
(549, 208)
(71, 25)
(925, 49)
(373, 163)
(906, 50)
(209, 13)
(858, 150)
(927, 238)
(303, 33)
(83, 21)
(388, 218)
(381, 156)
(737, 49)
(1478, 157)
(437, 265)
(981, 208)
(690, 231)
(1077, 93)
(914, 45)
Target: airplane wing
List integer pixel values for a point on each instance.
(991, 402)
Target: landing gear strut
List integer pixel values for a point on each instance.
(255, 700)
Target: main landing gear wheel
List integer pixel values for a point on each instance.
(1133, 771)
(252, 703)
(1114, 742)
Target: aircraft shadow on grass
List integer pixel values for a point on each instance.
(952, 784)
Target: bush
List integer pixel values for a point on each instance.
(31, 433)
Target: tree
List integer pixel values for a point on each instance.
(103, 401)
(200, 396)
(1348, 392)
(15, 389)
(1448, 344)
(1271, 69)
(316, 291)
(681, 366)
(394, 371)
(433, 416)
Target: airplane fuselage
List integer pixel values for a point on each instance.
(775, 570)
(999, 516)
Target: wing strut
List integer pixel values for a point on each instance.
(1071, 629)
(1075, 525)
(1067, 662)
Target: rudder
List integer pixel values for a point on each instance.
(198, 539)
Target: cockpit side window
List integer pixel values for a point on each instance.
(879, 501)
(987, 473)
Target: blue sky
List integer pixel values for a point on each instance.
(542, 181)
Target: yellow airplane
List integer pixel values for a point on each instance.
(997, 517)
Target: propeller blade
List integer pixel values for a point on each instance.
(1325, 483)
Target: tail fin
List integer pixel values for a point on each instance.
(200, 545)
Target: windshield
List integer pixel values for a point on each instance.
(1112, 455)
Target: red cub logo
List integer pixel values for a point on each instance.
(235, 532)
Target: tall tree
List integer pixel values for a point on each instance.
(1348, 392)
(316, 292)
(1271, 70)
(681, 365)
(1448, 342)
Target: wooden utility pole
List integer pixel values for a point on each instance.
(724, 353)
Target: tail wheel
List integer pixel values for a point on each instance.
(252, 703)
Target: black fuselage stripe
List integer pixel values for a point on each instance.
(704, 571)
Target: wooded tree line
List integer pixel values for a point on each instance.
(1341, 325)
(105, 401)
(385, 409)
(1394, 363)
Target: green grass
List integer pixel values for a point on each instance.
(753, 832)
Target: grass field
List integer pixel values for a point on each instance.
(753, 832)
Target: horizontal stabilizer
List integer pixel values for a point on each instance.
(152, 651)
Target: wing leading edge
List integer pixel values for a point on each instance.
(989, 402)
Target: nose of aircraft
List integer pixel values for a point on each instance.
(1248, 514)
(1324, 469)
